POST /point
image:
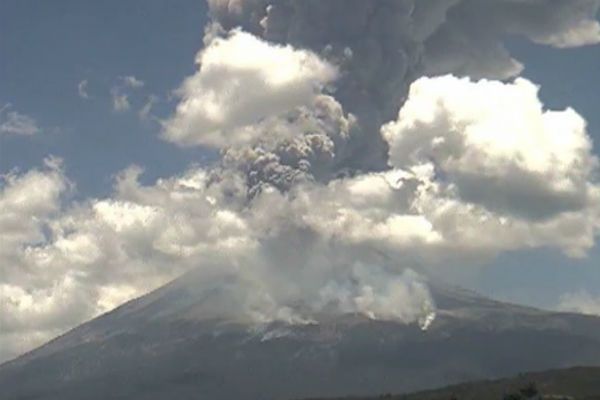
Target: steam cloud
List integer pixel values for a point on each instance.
(348, 163)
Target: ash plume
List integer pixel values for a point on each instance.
(363, 144)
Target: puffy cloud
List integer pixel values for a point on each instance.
(277, 265)
(120, 92)
(242, 80)
(15, 123)
(414, 216)
(371, 210)
(62, 265)
(69, 264)
(501, 172)
(496, 146)
(580, 302)
(132, 82)
(28, 202)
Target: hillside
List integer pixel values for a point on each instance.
(166, 345)
(580, 383)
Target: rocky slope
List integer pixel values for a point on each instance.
(167, 345)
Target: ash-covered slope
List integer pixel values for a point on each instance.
(167, 345)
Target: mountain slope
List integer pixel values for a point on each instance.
(581, 383)
(167, 345)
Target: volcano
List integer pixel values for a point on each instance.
(167, 345)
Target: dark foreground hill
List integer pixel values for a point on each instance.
(165, 345)
(581, 383)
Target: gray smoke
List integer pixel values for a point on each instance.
(345, 164)
(381, 47)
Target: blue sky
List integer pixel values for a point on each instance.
(48, 48)
(568, 78)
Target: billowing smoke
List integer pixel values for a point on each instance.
(383, 46)
(359, 149)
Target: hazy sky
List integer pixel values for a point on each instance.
(93, 83)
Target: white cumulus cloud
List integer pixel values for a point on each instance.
(240, 81)
(495, 145)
